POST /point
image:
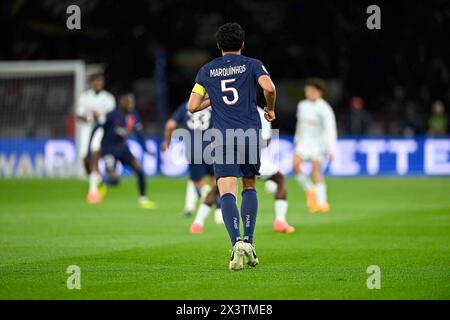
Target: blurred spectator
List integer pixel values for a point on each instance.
(358, 119)
(412, 124)
(437, 123)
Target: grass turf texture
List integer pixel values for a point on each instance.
(401, 225)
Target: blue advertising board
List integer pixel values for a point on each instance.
(354, 157)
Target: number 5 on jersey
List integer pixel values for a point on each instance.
(224, 88)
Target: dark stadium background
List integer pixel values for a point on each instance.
(398, 71)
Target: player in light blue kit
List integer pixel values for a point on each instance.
(228, 84)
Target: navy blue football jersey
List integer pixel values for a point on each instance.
(192, 121)
(118, 127)
(230, 82)
(198, 121)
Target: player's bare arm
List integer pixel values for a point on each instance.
(199, 99)
(85, 118)
(270, 94)
(81, 118)
(205, 103)
(170, 126)
(198, 102)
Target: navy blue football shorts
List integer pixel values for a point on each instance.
(113, 154)
(236, 161)
(199, 171)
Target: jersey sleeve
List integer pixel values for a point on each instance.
(199, 86)
(259, 69)
(179, 114)
(81, 110)
(330, 133)
(110, 103)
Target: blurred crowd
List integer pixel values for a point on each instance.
(390, 81)
(358, 121)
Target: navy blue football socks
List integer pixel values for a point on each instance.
(218, 204)
(249, 211)
(231, 216)
(141, 182)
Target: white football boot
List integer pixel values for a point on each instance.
(250, 254)
(237, 256)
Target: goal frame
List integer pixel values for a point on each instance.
(77, 68)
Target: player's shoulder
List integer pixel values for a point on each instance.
(222, 59)
(182, 109)
(183, 106)
(86, 93)
(324, 104)
(251, 59)
(302, 103)
(181, 113)
(114, 114)
(253, 63)
(108, 94)
(211, 64)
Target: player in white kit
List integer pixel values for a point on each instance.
(275, 180)
(315, 141)
(93, 105)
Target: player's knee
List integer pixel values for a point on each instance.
(248, 183)
(317, 176)
(210, 199)
(87, 165)
(281, 194)
(248, 186)
(297, 166)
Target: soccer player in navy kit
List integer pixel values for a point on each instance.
(119, 125)
(194, 122)
(230, 83)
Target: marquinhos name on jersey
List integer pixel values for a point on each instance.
(225, 72)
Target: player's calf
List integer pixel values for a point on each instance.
(281, 205)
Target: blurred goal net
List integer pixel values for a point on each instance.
(37, 101)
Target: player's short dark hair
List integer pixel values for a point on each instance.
(96, 76)
(317, 83)
(230, 36)
(125, 94)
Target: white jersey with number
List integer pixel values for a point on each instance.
(88, 103)
(268, 168)
(316, 132)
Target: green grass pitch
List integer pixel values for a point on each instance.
(401, 225)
